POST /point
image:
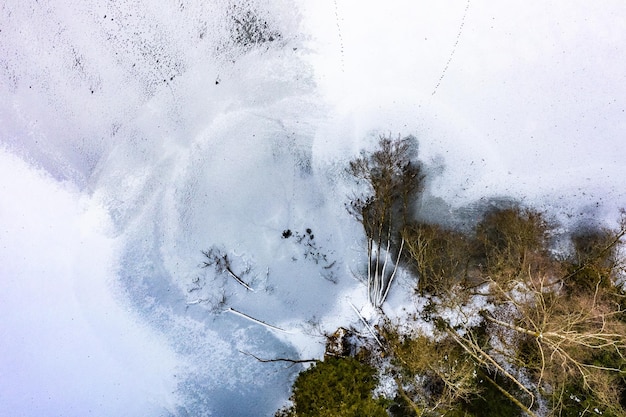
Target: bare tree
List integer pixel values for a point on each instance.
(392, 180)
(545, 338)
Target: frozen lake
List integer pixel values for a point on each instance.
(135, 137)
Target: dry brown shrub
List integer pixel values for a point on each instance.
(439, 257)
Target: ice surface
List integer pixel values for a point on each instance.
(68, 346)
(135, 137)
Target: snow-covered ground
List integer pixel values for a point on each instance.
(134, 137)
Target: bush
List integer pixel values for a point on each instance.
(336, 387)
(506, 236)
(491, 401)
(594, 261)
(438, 256)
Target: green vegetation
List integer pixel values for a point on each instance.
(435, 376)
(336, 387)
(517, 328)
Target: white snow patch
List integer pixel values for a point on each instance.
(69, 346)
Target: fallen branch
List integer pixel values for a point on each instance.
(257, 321)
(504, 392)
(292, 361)
(369, 328)
(474, 350)
(239, 280)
